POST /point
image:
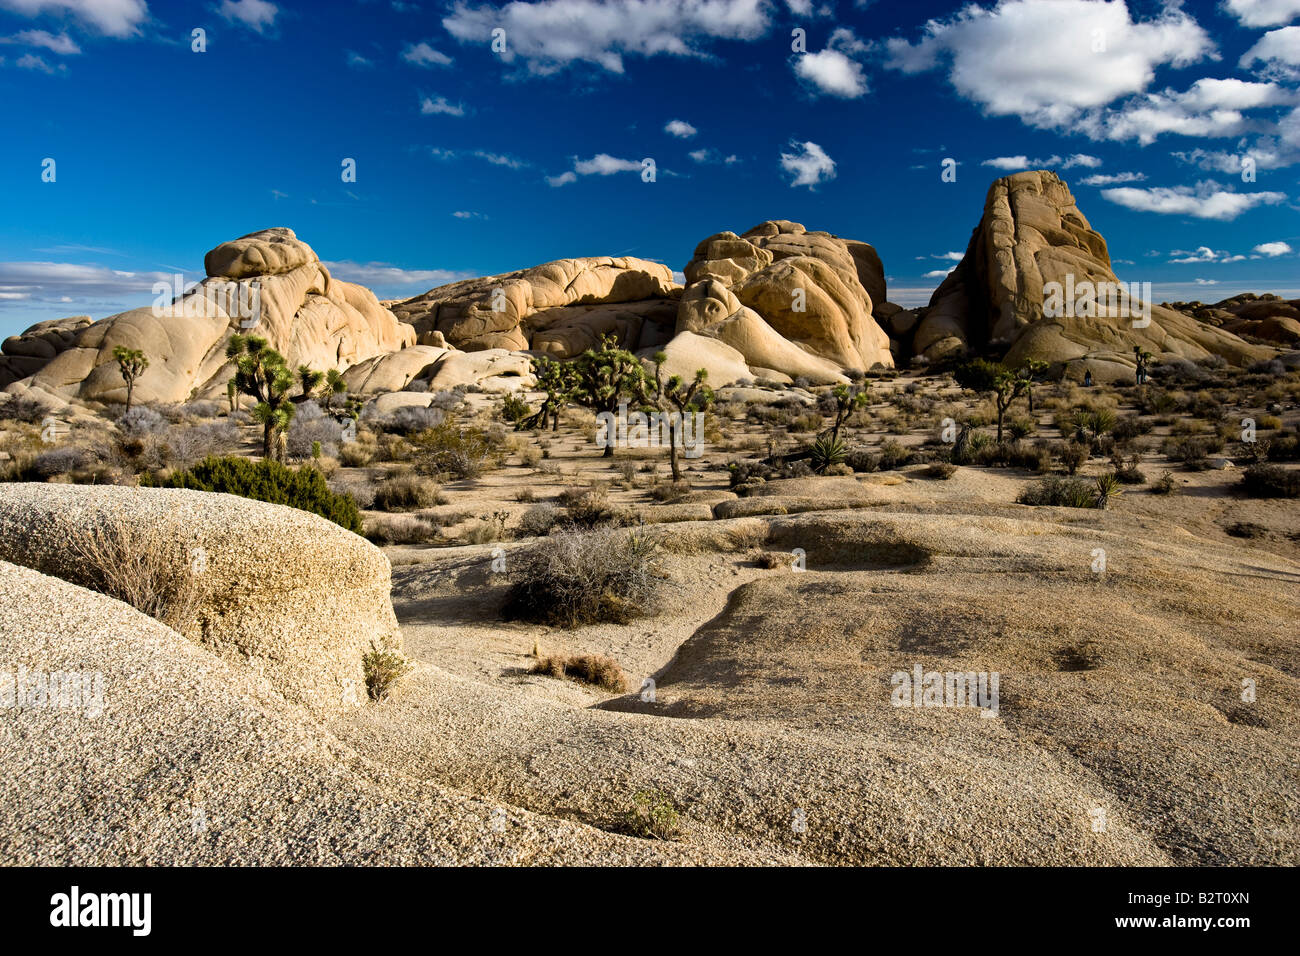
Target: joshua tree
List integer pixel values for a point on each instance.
(1142, 357)
(1031, 372)
(992, 377)
(262, 373)
(558, 381)
(132, 362)
(679, 400)
(334, 386)
(605, 376)
(309, 379)
(846, 399)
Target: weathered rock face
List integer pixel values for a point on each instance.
(267, 283)
(1269, 318)
(289, 594)
(559, 307)
(28, 352)
(439, 370)
(788, 300)
(1032, 234)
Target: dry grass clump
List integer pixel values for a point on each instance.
(595, 669)
(582, 577)
(146, 566)
(400, 529)
(407, 493)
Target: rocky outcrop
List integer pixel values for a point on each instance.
(440, 370)
(267, 283)
(1033, 234)
(289, 594)
(559, 307)
(789, 301)
(1270, 319)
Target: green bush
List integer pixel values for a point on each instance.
(652, 817)
(1271, 481)
(1059, 493)
(302, 488)
(383, 669)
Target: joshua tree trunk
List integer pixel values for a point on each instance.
(672, 450)
(268, 440)
(130, 388)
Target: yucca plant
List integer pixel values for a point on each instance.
(1107, 487)
(828, 450)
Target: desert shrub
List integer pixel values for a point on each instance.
(183, 445)
(514, 408)
(1270, 481)
(530, 456)
(1127, 429)
(652, 817)
(407, 493)
(795, 469)
(581, 577)
(399, 529)
(59, 461)
(450, 449)
(1270, 367)
(943, 470)
(1165, 485)
(1020, 428)
(145, 565)
(894, 455)
(22, 409)
(355, 455)
(1284, 447)
(412, 419)
(311, 426)
(538, 521)
(664, 491)
(1073, 455)
(1128, 473)
(1191, 452)
(595, 669)
(383, 668)
(1059, 492)
(744, 472)
(862, 460)
(586, 506)
(1156, 401)
(303, 488)
(487, 529)
(141, 420)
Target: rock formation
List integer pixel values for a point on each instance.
(1267, 318)
(1032, 234)
(559, 307)
(289, 594)
(791, 303)
(267, 283)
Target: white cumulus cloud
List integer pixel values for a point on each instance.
(809, 164)
(1204, 201)
(551, 34)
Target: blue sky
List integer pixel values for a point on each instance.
(471, 161)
